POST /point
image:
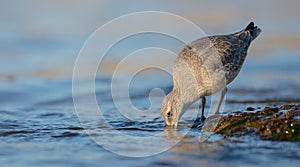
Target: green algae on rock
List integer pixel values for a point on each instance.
(271, 123)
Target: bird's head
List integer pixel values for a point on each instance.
(171, 108)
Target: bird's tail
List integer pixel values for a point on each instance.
(254, 30)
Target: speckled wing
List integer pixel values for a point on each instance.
(232, 51)
(210, 59)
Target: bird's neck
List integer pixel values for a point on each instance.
(177, 94)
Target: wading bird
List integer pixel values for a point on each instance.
(204, 67)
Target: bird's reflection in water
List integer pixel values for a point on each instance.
(195, 138)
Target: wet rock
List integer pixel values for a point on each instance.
(286, 107)
(271, 123)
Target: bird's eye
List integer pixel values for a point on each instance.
(169, 114)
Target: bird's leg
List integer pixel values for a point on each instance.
(224, 91)
(203, 106)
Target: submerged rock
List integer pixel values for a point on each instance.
(271, 123)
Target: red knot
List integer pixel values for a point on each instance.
(204, 67)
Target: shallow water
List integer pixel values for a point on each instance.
(43, 130)
(38, 121)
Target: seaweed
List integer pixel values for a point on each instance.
(271, 123)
